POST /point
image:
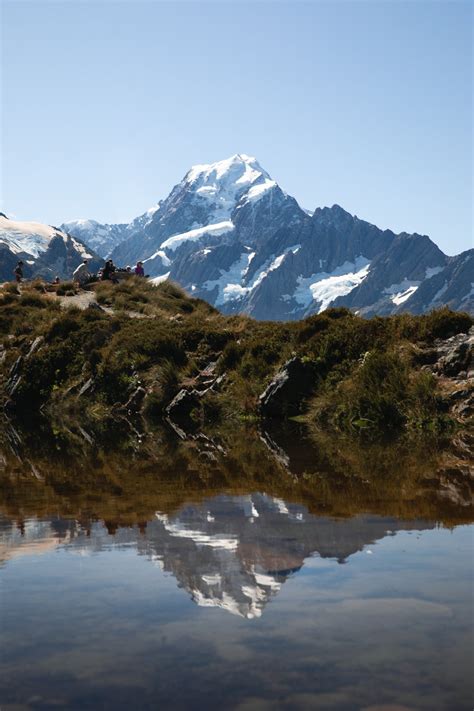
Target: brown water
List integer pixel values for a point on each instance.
(250, 570)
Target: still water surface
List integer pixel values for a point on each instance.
(224, 598)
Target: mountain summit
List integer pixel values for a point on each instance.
(229, 234)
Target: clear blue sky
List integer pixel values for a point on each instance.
(366, 104)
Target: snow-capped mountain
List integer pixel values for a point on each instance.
(45, 250)
(213, 206)
(229, 234)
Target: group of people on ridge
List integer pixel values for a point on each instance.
(83, 276)
(109, 272)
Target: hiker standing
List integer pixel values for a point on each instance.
(139, 271)
(18, 272)
(107, 270)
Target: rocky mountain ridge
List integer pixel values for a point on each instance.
(229, 234)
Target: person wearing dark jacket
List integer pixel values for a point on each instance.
(108, 271)
(18, 272)
(139, 271)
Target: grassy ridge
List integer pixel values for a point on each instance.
(366, 371)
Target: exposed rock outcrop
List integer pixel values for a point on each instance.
(182, 405)
(451, 360)
(286, 394)
(455, 355)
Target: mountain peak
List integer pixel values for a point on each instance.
(239, 168)
(334, 212)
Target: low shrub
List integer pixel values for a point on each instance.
(382, 394)
(32, 298)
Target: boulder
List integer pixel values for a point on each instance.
(182, 405)
(456, 360)
(455, 354)
(34, 346)
(94, 306)
(286, 394)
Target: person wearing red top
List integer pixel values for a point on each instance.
(139, 271)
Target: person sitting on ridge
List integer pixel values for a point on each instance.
(139, 271)
(81, 274)
(18, 272)
(108, 271)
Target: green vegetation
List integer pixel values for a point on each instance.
(366, 373)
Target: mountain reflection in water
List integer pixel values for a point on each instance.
(345, 567)
(232, 552)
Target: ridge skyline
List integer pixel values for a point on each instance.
(228, 234)
(247, 157)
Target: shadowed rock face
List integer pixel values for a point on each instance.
(229, 234)
(231, 552)
(286, 394)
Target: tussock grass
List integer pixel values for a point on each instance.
(366, 374)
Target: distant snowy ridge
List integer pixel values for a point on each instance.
(31, 238)
(46, 250)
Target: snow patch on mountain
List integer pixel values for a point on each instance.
(258, 191)
(324, 287)
(148, 215)
(432, 271)
(162, 255)
(217, 229)
(403, 296)
(229, 284)
(272, 264)
(79, 247)
(201, 538)
(399, 293)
